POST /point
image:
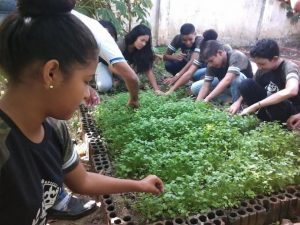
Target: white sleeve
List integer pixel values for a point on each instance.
(109, 50)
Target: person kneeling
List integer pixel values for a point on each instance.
(226, 68)
(274, 92)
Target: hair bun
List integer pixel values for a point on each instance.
(210, 34)
(45, 7)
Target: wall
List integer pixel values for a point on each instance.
(238, 22)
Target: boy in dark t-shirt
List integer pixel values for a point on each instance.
(226, 69)
(197, 68)
(274, 92)
(189, 44)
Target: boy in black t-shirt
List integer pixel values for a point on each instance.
(274, 91)
(189, 44)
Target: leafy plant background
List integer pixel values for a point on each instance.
(206, 158)
(121, 13)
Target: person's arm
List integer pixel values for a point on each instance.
(174, 56)
(83, 182)
(234, 108)
(194, 56)
(110, 53)
(291, 89)
(222, 85)
(203, 91)
(131, 80)
(152, 80)
(171, 80)
(183, 79)
(170, 54)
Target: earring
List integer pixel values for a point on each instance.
(51, 87)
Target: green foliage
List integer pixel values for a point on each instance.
(206, 158)
(120, 13)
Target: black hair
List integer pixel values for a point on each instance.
(141, 59)
(187, 29)
(210, 34)
(210, 48)
(265, 48)
(41, 8)
(43, 30)
(110, 27)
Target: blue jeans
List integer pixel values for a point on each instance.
(233, 89)
(199, 74)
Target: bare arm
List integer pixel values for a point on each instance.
(172, 80)
(204, 91)
(152, 80)
(82, 182)
(223, 84)
(172, 56)
(195, 55)
(131, 79)
(183, 79)
(291, 89)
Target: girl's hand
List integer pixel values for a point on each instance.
(152, 184)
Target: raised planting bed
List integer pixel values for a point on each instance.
(207, 159)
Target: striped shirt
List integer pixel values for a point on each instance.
(178, 44)
(237, 62)
(109, 50)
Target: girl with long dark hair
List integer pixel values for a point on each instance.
(137, 50)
